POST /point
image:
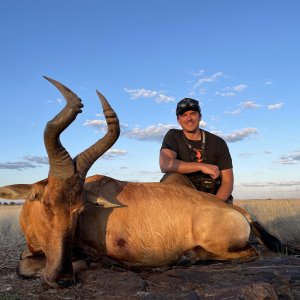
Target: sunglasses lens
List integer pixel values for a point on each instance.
(189, 103)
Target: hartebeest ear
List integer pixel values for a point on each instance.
(23, 191)
(94, 199)
(16, 192)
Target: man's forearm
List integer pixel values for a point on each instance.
(180, 166)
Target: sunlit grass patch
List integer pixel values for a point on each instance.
(281, 217)
(10, 231)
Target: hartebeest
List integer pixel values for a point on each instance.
(69, 217)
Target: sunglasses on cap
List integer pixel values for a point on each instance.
(187, 104)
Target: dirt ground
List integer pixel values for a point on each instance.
(271, 276)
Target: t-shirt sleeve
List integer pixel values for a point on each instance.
(224, 157)
(170, 141)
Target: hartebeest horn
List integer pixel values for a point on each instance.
(85, 159)
(61, 164)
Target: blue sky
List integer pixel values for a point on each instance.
(240, 59)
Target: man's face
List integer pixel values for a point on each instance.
(189, 121)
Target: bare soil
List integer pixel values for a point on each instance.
(271, 276)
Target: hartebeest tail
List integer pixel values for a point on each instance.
(269, 240)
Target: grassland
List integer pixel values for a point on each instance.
(281, 217)
(10, 231)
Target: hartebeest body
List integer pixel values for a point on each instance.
(68, 217)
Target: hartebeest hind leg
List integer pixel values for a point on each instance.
(200, 254)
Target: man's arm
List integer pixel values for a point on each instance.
(226, 187)
(169, 163)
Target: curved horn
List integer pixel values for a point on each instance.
(61, 164)
(85, 159)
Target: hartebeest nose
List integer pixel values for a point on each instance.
(63, 281)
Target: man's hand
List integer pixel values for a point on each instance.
(169, 163)
(211, 170)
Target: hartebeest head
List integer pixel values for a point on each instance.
(52, 206)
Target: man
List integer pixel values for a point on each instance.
(195, 157)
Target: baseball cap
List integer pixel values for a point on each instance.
(187, 104)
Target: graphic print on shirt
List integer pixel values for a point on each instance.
(197, 155)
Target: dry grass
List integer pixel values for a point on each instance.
(10, 231)
(281, 217)
(12, 242)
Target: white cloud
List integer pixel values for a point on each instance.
(240, 87)
(140, 93)
(151, 133)
(100, 124)
(252, 105)
(164, 98)
(249, 105)
(225, 94)
(233, 112)
(113, 153)
(40, 160)
(207, 79)
(230, 91)
(28, 162)
(203, 124)
(290, 159)
(275, 106)
(16, 165)
(95, 123)
(240, 135)
(59, 101)
(198, 73)
(271, 184)
(159, 96)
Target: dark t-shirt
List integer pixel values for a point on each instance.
(216, 151)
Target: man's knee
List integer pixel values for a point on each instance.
(178, 179)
